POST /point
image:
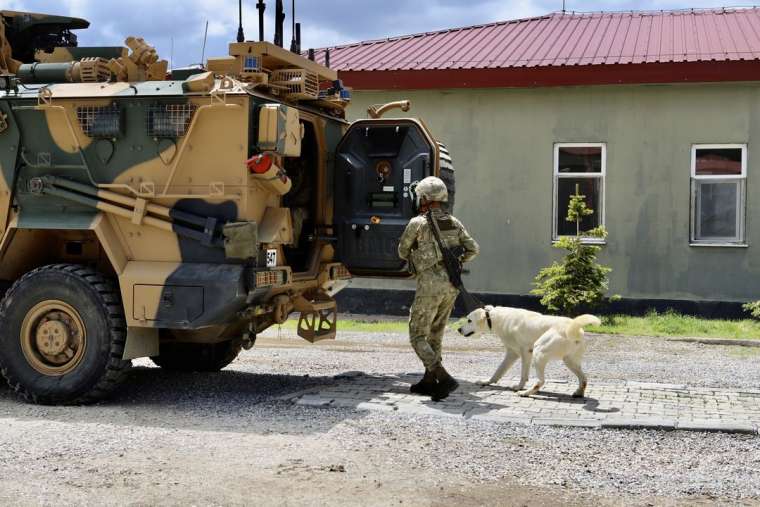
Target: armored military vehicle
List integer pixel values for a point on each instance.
(175, 215)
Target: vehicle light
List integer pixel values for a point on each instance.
(270, 278)
(339, 272)
(259, 164)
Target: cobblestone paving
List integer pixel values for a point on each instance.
(632, 405)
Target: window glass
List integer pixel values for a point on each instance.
(717, 204)
(718, 161)
(592, 189)
(586, 159)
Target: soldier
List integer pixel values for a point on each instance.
(435, 295)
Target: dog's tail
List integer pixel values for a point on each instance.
(578, 323)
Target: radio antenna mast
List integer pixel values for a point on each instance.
(279, 18)
(203, 52)
(293, 40)
(293, 27)
(241, 35)
(261, 6)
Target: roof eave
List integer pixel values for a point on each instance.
(548, 76)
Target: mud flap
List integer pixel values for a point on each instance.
(319, 316)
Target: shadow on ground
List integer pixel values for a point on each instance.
(391, 393)
(229, 400)
(246, 402)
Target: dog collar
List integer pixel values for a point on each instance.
(488, 319)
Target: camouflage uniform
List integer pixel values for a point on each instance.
(435, 295)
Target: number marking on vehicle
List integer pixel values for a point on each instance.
(271, 258)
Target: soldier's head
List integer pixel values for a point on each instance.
(431, 192)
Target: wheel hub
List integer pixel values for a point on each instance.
(53, 338)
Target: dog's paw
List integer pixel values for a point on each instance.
(484, 383)
(579, 395)
(516, 387)
(523, 394)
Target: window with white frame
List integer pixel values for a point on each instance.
(718, 189)
(578, 167)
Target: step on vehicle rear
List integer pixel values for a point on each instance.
(177, 214)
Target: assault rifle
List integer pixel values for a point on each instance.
(453, 265)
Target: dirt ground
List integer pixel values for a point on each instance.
(226, 439)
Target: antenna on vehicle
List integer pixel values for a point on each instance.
(241, 35)
(205, 39)
(279, 18)
(293, 42)
(261, 6)
(563, 5)
(171, 56)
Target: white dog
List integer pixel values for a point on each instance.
(534, 338)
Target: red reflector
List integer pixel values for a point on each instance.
(259, 164)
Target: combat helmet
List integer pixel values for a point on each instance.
(432, 189)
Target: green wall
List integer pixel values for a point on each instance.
(502, 141)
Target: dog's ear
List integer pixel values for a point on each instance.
(489, 308)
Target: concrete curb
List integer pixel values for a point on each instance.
(718, 341)
(735, 427)
(630, 423)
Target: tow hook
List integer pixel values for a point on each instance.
(249, 337)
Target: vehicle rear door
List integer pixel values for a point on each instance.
(376, 163)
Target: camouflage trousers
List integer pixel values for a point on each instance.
(429, 315)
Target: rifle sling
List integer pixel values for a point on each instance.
(444, 249)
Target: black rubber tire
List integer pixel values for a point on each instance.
(199, 357)
(98, 302)
(448, 176)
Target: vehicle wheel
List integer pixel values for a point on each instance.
(62, 335)
(448, 176)
(204, 357)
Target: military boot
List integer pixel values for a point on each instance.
(426, 386)
(446, 384)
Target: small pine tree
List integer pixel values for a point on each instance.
(753, 309)
(578, 280)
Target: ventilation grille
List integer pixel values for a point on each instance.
(296, 83)
(170, 120)
(100, 121)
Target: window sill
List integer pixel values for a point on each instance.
(585, 241)
(720, 245)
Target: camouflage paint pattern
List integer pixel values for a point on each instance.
(140, 178)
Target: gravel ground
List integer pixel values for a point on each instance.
(211, 439)
(609, 358)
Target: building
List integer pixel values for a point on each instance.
(655, 116)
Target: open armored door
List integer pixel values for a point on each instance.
(376, 163)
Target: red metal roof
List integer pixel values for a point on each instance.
(602, 47)
(561, 39)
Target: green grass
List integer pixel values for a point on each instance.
(675, 325)
(363, 326)
(669, 324)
